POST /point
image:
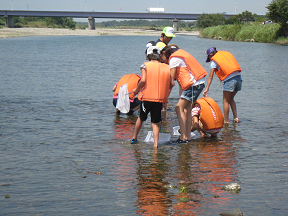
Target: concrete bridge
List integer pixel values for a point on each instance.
(8, 14)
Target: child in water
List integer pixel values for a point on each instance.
(154, 89)
(207, 117)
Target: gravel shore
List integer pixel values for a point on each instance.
(24, 32)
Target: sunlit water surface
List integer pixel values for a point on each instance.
(64, 151)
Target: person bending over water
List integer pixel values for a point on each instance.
(225, 66)
(191, 78)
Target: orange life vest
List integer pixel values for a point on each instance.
(132, 80)
(183, 73)
(227, 64)
(157, 85)
(206, 115)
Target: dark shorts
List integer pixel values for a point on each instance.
(133, 104)
(153, 107)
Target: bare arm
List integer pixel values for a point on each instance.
(114, 88)
(172, 75)
(195, 126)
(141, 82)
(210, 78)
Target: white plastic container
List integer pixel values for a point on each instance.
(163, 137)
(176, 131)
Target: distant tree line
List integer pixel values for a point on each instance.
(209, 20)
(61, 22)
(278, 12)
(150, 24)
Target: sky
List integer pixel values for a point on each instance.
(179, 6)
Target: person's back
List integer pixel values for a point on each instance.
(154, 88)
(132, 81)
(207, 117)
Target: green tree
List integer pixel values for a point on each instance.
(208, 20)
(247, 16)
(260, 19)
(60, 21)
(278, 12)
(232, 20)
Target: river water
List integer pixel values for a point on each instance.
(64, 151)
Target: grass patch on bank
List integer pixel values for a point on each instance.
(282, 40)
(243, 32)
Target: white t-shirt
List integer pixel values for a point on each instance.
(179, 62)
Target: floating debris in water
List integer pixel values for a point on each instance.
(97, 173)
(169, 186)
(84, 176)
(8, 196)
(232, 187)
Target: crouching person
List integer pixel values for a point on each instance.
(154, 89)
(132, 80)
(207, 117)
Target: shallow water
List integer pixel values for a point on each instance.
(63, 150)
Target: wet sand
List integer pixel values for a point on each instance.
(24, 32)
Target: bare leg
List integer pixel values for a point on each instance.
(181, 109)
(187, 121)
(228, 99)
(138, 126)
(155, 127)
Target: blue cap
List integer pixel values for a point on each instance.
(208, 52)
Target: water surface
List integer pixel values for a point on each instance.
(64, 151)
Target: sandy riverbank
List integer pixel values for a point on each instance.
(24, 32)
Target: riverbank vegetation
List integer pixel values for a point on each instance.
(39, 22)
(253, 32)
(248, 26)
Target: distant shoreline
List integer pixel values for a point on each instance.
(26, 32)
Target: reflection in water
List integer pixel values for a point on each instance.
(202, 169)
(210, 165)
(123, 126)
(153, 198)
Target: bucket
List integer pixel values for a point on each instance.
(163, 137)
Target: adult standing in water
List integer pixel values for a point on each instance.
(191, 78)
(166, 37)
(226, 67)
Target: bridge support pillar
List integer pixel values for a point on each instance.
(91, 23)
(175, 25)
(9, 21)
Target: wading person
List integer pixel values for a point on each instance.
(132, 81)
(227, 69)
(207, 117)
(191, 78)
(154, 89)
(166, 37)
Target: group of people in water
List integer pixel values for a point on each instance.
(167, 63)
